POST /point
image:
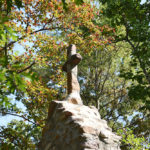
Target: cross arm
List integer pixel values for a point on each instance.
(73, 61)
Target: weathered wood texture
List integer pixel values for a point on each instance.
(70, 66)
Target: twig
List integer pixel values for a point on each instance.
(21, 116)
(42, 29)
(20, 71)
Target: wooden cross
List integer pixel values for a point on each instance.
(70, 66)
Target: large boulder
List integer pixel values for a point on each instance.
(76, 127)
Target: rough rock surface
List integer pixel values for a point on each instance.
(76, 127)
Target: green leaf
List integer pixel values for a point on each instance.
(18, 3)
(79, 2)
(2, 76)
(9, 5)
(65, 5)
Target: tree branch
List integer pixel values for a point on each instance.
(42, 29)
(144, 70)
(138, 57)
(20, 71)
(21, 116)
(127, 38)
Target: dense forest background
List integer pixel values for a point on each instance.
(114, 39)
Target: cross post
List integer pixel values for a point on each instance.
(70, 66)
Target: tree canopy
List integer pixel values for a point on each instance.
(114, 75)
